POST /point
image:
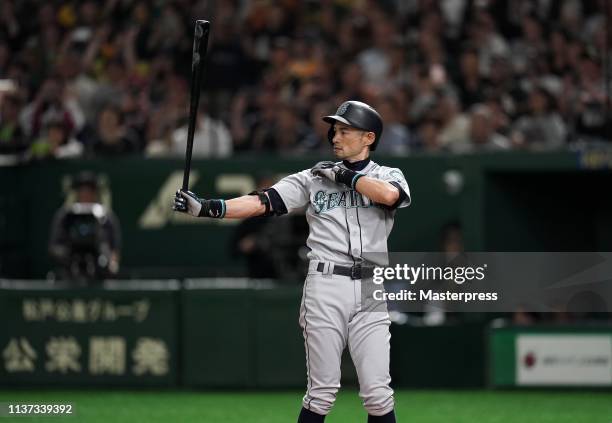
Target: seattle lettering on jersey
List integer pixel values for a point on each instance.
(324, 201)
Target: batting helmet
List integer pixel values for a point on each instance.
(358, 115)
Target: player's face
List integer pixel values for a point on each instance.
(351, 143)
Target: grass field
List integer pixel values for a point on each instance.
(271, 407)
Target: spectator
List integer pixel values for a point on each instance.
(375, 61)
(55, 142)
(429, 132)
(12, 138)
(558, 43)
(317, 138)
(541, 128)
(351, 82)
(396, 139)
(503, 87)
(471, 84)
(70, 60)
(228, 66)
(591, 108)
(500, 119)
(243, 116)
(5, 55)
(483, 136)
(166, 117)
(455, 125)
(281, 130)
(51, 103)
(490, 42)
(530, 45)
(114, 137)
(424, 95)
(211, 138)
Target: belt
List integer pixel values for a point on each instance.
(354, 272)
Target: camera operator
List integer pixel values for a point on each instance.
(85, 236)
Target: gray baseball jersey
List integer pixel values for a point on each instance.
(343, 223)
(343, 226)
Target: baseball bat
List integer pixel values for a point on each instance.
(200, 45)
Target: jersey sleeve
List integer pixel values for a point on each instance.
(395, 177)
(293, 190)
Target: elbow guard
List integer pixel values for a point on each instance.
(401, 198)
(263, 198)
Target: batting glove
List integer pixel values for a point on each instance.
(335, 173)
(188, 202)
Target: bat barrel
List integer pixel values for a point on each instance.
(200, 44)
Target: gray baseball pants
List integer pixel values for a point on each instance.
(332, 317)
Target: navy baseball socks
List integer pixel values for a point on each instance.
(387, 418)
(307, 416)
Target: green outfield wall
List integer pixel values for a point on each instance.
(153, 333)
(124, 335)
(195, 334)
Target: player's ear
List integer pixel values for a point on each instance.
(370, 138)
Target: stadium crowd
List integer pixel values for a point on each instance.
(109, 78)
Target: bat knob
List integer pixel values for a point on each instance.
(200, 26)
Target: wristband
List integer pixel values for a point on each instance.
(213, 208)
(348, 177)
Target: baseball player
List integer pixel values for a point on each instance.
(350, 210)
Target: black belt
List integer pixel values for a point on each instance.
(354, 272)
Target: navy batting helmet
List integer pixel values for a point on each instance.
(358, 115)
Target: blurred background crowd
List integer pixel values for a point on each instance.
(111, 78)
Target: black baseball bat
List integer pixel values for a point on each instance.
(200, 45)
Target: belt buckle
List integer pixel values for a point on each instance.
(356, 271)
